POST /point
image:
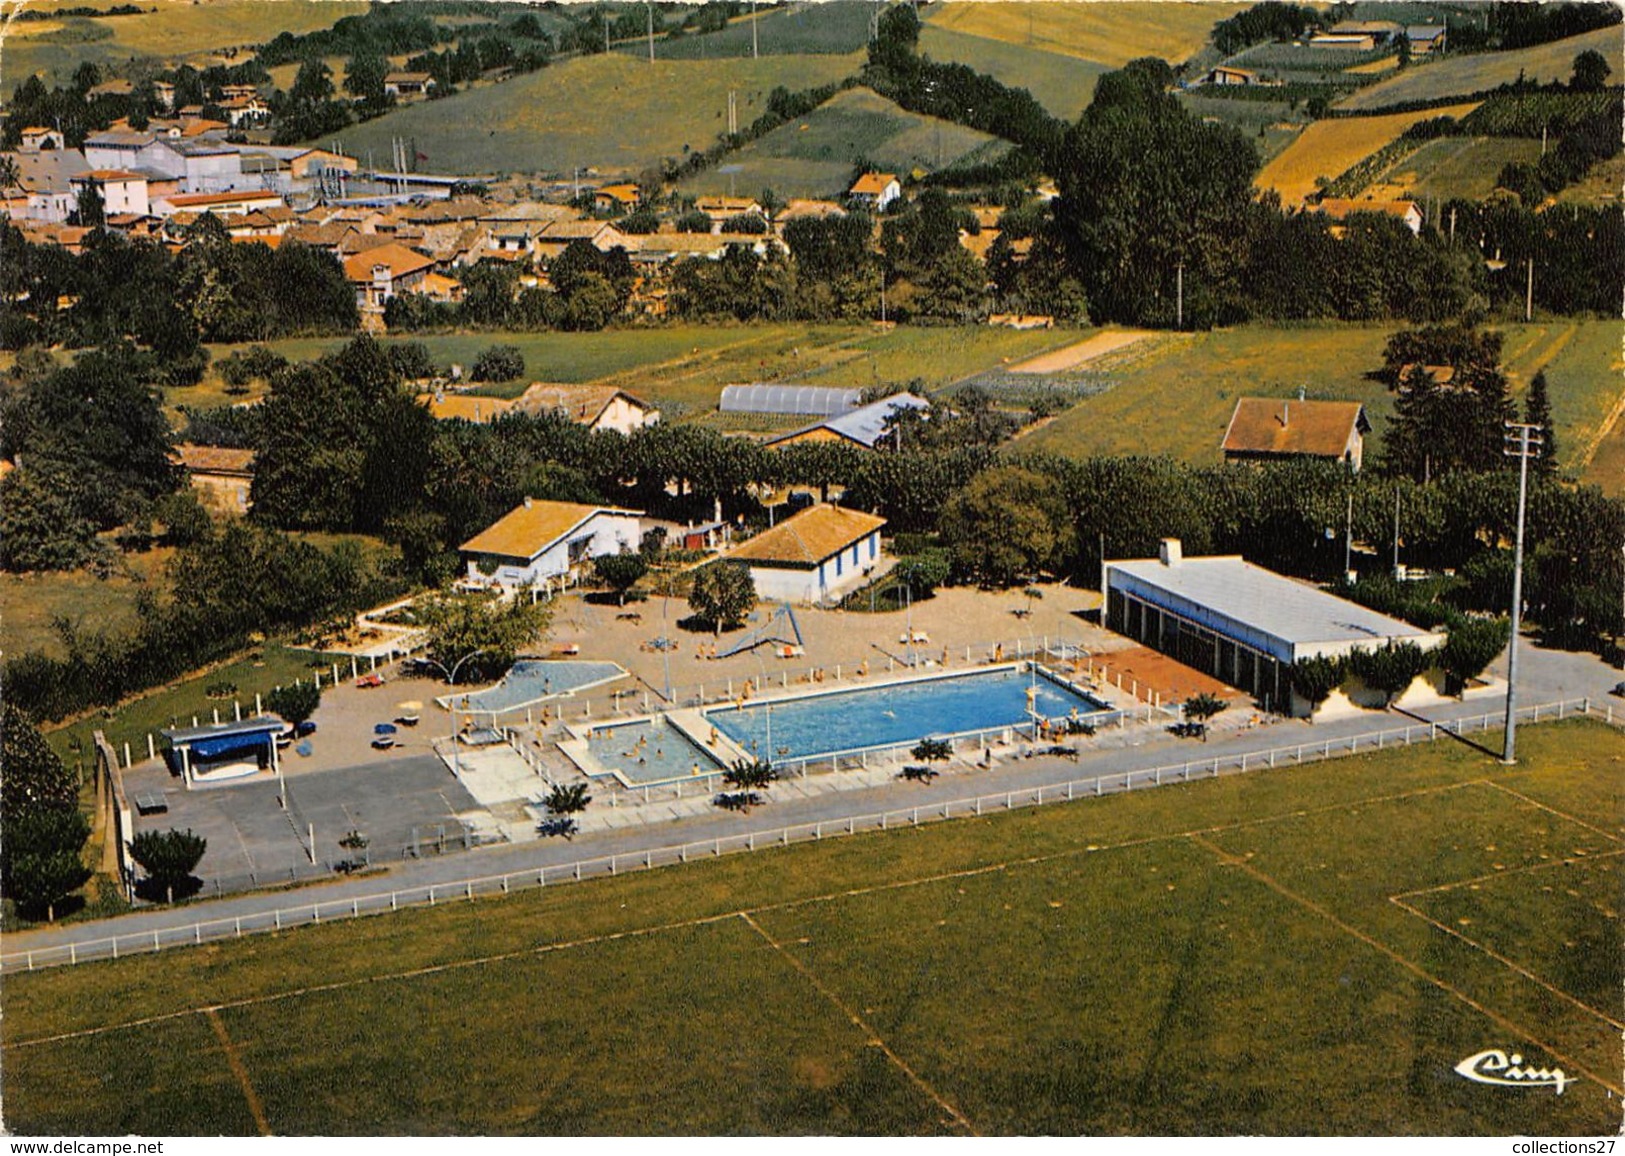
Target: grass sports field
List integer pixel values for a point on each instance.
(1191, 383)
(1328, 148)
(556, 120)
(814, 155)
(1463, 75)
(1109, 34)
(1464, 167)
(1305, 951)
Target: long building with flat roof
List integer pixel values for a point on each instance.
(1239, 622)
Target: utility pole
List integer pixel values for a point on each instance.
(733, 114)
(753, 53)
(1529, 294)
(651, 9)
(1452, 224)
(1396, 531)
(1524, 442)
(1348, 539)
(1179, 307)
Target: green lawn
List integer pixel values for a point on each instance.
(29, 602)
(1219, 958)
(1174, 394)
(609, 111)
(814, 155)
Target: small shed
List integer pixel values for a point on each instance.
(223, 752)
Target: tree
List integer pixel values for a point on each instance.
(34, 777)
(168, 858)
(1315, 678)
(295, 703)
(41, 863)
(567, 798)
(1201, 707)
(1591, 72)
(1472, 645)
(1537, 410)
(1391, 669)
(460, 625)
(750, 774)
(499, 363)
(1006, 525)
(723, 594)
(364, 79)
(620, 572)
(922, 573)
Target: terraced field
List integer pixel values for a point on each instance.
(1109, 34)
(814, 156)
(1463, 75)
(612, 112)
(1329, 148)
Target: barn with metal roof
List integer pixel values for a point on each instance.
(811, 400)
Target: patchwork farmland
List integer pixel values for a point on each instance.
(1328, 148)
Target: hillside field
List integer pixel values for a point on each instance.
(173, 29)
(1464, 167)
(814, 155)
(610, 111)
(1302, 951)
(1174, 393)
(1464, 75)
(831, 26)
(1328, 148)
(1109, 34)
(1059, 81)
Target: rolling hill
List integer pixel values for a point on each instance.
(1463, 75)
(1111, 34)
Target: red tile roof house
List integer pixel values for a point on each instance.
(875, 190)
(1268, 429)
(384, 272)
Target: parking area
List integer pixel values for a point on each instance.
(408, 805)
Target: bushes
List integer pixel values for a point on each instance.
(499, 363)
(168, 858)
(1314, 679)
(1391, 669)
(1472, 645)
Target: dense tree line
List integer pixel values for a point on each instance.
(1270, 20)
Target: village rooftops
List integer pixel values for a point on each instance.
(1290, 427)
(808, 538)
(527, 531)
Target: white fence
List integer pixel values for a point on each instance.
(325, 911)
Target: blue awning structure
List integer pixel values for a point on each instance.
(229, 745)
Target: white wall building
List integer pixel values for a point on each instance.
(821, 553)
(541, 542)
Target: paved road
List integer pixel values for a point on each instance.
(1546, 677)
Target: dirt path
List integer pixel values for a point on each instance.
(1083, 352)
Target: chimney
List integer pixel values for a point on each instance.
(1172, 553)
(1286, 414)
(527, 503)
(1302, 392)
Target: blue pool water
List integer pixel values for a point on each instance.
(900, 713)
(649, 752)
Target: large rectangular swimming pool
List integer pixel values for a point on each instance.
(898, 713)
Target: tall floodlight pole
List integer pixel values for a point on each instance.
(1524, 442)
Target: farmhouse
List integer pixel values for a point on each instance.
(617, 198)
(597, 407)
(1225, 75)
(408, 84)
(38, 138)
(1353, 41)
(1241, 623)
(875, 191)
(720, 210)
(464, 407)
(539, 541)
(221, 476)
(863, 427)
(822, 552)
(1267, 429)
(1381, 31)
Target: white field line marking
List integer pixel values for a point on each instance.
(1609, 835)
(1224, 857)
(914, 1077)
(1507, 874)
(235, 1061)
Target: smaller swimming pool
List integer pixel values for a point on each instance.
(649, 752)
(533, 681)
